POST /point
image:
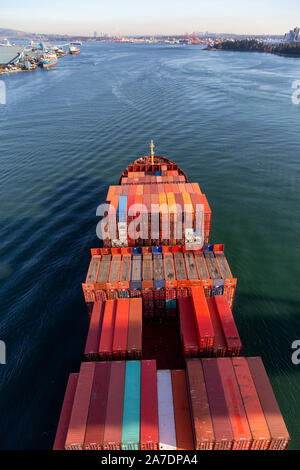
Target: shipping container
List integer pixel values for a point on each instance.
(114, 276)
(149, 437)
(124, 284)
(119, 349)
(241, 432)
(203, 322)
(204, 438)
(223, 265)
(233, 342)
(107, 332)
(217, 404)
(166, 421)
(212, 265)
(147, 285)
(136, 275)
(158, 273)
(103, 273)
(188, 332)
(220, 346)
(81, 403)
(95, 327)
(278, 432)
(191, 270)
(64, 420)
(164, 220)
(256, 419)
(131, 411)
(97, 410)
(112, 439)
(135, 322)
(183, 425)
(201, 266)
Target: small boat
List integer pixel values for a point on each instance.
(49, 60)
(74, 50)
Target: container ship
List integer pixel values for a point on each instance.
(162, 367)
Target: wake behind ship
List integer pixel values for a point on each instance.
(162, 366)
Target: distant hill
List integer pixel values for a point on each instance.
(11, 33)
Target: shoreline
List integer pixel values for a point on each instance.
(254, 51)
(34, 65)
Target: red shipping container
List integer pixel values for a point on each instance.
(63, 424)
(134, 338)
(256, 419)
(107, 333)
(97, 411)
(92, 343)
(121, 329)
(231, 334)
(220, 346)
(114, 413)
(149, 438)
(78, 419)
(203, 322)
(238, 418)
(201, 418)
(217, 403)
(187, 327)
(279, 434)
(183, 425)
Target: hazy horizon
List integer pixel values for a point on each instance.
(138, 17)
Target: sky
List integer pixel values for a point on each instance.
(128, 17)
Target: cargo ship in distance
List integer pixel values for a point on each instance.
(162, 367)
(49, 60)
(74, 50)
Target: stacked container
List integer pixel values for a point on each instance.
(115, 330)
(143, 271)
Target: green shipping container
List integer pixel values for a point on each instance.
(131, 412)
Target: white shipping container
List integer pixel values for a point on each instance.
(166, 421)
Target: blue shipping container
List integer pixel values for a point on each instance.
(122, 209)
(132, 404)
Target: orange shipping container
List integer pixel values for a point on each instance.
(134, 340)
(121, 329)
(183, 425)
(203, 322)
(77, 425)
(256, 419)
(107, 333)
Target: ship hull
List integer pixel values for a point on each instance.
(47, 65)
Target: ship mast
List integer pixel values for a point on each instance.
(152, 151)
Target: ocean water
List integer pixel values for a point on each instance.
(227, 118)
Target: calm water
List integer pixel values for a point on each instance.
(66, 134)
